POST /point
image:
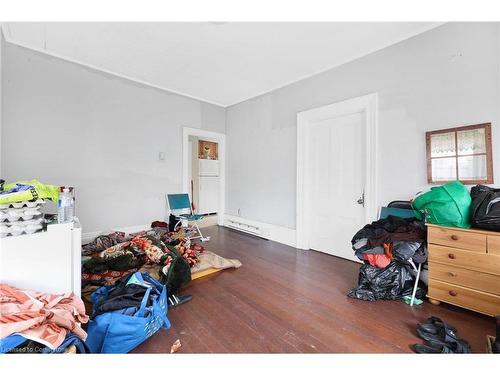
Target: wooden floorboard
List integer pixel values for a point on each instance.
(284, 300)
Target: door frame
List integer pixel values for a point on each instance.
(366, 104)
(220, 138)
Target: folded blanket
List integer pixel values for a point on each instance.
(45, 318)
(211, 260)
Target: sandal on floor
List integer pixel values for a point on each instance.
(443, 333)
(458, 346)
(174, 300)
(432, 348)
(432, 325)
(445, 336)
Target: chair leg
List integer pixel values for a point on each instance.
(203, 238)
(194, 227)
(194, 237)
(198, 230)
(416, 284)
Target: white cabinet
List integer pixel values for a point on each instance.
(48, 262)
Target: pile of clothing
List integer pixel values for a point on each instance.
(111, 257)
(34, 322)
(387, 246)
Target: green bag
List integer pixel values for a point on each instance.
(447, 205)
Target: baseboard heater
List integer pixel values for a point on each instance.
(246, 228)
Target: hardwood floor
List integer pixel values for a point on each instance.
(284, 300)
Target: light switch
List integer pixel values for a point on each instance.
(161, 156)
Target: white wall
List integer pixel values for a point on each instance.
(443, 78)
(68, 125)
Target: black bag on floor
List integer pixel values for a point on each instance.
(485, 208)
(178, 274)
(392, 282)
(172, 222)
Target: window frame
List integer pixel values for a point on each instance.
(488, 153)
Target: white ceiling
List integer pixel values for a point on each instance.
(221, 63)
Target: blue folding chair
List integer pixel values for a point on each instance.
(179, 204)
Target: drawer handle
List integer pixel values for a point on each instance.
(452, 274)
(454, 237)
(451, 256)
(453, 293)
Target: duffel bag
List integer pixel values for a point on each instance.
(485, 207)
(447, 205)
(117, 332)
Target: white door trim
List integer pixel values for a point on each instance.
(367, 104)
(220, 138)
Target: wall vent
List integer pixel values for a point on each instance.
(244, 227)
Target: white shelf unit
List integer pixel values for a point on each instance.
(48, 262)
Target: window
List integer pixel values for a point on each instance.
(462, 154)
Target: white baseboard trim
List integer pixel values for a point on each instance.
(271, 232)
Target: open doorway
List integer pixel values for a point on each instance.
(204, 173)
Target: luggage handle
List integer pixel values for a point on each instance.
(163, 304)
(143, 303)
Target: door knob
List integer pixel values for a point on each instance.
(361, 200)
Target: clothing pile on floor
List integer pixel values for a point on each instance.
(387, 246)
(33, 322)
(126, 278)
(111, 257)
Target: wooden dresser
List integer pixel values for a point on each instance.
(464, 268)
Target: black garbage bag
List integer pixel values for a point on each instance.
(392, 282)
(178, 274)
(172, 222)
(485, 207)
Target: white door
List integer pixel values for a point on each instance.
(336, 172)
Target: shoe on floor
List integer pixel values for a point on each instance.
(437, 332)
(432, 348)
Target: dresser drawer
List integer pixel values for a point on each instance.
(494, 245)
(460, 239)
(464, 297)
(465, 259)
(485, 282)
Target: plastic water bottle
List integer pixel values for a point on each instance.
(65, 206)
